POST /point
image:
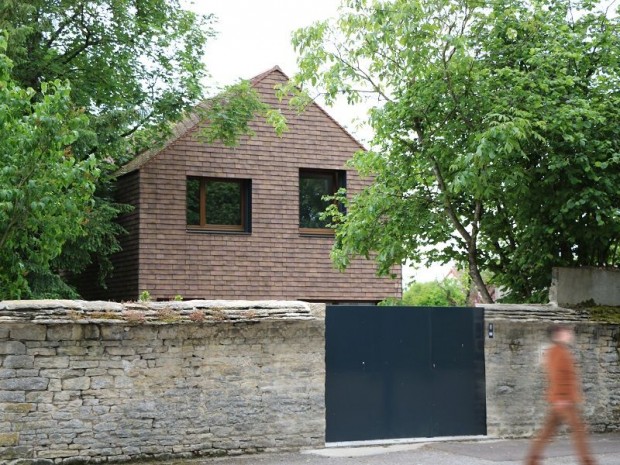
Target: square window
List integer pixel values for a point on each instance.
(313, 186)
(217, 204)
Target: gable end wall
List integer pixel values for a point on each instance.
(273, 262)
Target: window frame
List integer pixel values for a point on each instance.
(338, 180)
(246, 198)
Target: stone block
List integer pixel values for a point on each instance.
(76, 384)
(92, 332)
(64, 332)
(40, 397)
(34, 462)
(95, 372)
(101, 382)
(55, 385)
(18, 361)
(95, 351)
(113, 332)
(120, 350)
(85, 364)
(62, 396)
(12, 348)
(13, 407)
(63, 454)
(9, 439)
(28, 332)
(62, 374)
(24, 384)
(51, 362)
(12, 396)
(123, 382)
(41, 351)
(72, 350)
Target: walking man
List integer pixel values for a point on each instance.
(564, 395)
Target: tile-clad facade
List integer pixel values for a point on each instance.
(122, 283)
(274, 261)
(124, 279)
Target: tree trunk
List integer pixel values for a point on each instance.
(476, 277)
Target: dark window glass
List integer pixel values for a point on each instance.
(223, 203)
(313, 186)
(193, 202)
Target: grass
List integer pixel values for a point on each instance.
(604, 313)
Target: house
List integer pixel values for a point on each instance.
(241, 222)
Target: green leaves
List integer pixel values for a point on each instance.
(45, 191)
(135, 68)
(230, 113)
(496, 133)
(140, 63)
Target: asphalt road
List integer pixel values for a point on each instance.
(606, 448)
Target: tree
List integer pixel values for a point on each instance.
(45, 192)
(445, 293)
(496, 134)
(135, 68)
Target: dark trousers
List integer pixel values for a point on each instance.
(568, 414)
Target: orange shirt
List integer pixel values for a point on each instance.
(563, 383)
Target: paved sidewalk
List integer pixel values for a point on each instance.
(606, 448)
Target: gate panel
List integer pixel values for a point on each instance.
(354, 386)
(459, 394)
(404, 372)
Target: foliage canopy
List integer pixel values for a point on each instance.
(448, 292)
(134, 68)
(497, 135)
(45, 192)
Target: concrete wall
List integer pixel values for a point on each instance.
(515, 378)
(573, 286)
(97, 382)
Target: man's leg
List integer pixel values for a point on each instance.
(572, 416)
(546, 433)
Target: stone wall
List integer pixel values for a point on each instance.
(95, 381)
(515, 378)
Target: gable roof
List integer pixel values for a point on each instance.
(193, 119)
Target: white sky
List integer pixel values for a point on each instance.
(255, 35)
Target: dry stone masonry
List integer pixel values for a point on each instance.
(95, 381)
(515, 375)
(88, 382)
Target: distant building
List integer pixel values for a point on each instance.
(474, 297)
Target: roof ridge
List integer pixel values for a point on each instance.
(258, 78)
(192, 119)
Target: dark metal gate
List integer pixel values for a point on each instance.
(404, 372)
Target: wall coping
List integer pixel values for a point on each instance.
(199, 311)
(538, 312)
(191, 311)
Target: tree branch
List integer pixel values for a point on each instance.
(137, 126)
(61, 28)
(363, 74)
